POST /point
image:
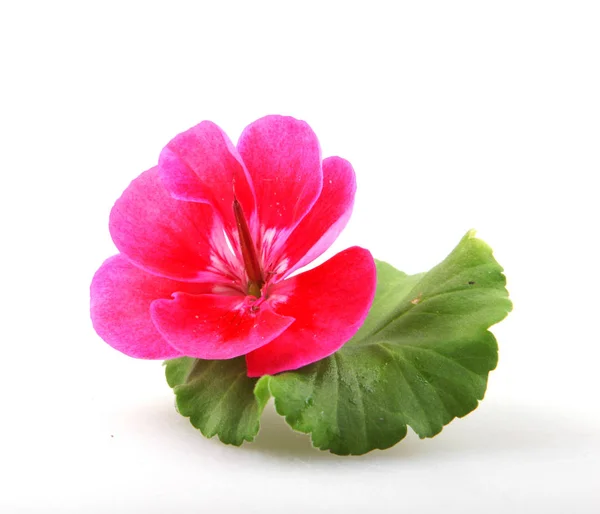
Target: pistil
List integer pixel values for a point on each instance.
(253, 269)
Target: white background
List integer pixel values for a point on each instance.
(455, 115)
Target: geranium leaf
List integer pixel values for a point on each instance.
(218, 397)
(421, 358)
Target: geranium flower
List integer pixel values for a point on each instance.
(209, 240)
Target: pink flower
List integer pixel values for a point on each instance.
(209, 239)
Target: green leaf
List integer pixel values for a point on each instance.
(218, 397)
(421, 358)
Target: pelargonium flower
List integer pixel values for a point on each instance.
(210, 240)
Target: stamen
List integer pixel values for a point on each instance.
(253, 269)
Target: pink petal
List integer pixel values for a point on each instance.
(329, 302)
(216, 326)
(321, 226)
(202, 165)
(163, 235)
(283, 158)
(121, 294)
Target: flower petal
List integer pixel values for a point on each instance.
(283, 158)
(216, 326)
(329, 302)
(322, 225)
(165, 236)
(202, 165)
(121, 294)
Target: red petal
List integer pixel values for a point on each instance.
(202, 165)
(163, 235)
(329, 302)
(321, 226)
(215, 326)
(283, 158)
(121, 295)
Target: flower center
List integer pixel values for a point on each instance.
(253, 269)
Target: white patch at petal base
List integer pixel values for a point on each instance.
(272, 243)
(268, 236)
(223, 259)
(228, 243)
(282, 267)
